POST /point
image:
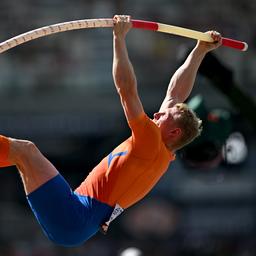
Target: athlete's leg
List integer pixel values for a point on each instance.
(34, 168)
(67, 218)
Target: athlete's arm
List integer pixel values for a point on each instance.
(182, 81)
(123, 73)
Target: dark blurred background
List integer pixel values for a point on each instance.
(58, 92)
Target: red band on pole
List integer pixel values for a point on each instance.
(234, 44)
(149, 25)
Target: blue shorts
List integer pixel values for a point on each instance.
(66, 217)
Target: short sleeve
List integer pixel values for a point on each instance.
(146, 136)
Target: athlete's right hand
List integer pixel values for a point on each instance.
(206, 46)
(122, 25)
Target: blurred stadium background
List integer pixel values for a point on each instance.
(58, 92)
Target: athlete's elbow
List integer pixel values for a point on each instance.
(127, 91)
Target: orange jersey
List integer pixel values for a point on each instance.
(128, 173)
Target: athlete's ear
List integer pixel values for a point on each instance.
(158, 115)
(174, 133)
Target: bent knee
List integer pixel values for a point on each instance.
(21, 149)
(28, 147)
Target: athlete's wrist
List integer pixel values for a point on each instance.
(119, 37)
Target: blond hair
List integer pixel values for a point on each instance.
(190, 125)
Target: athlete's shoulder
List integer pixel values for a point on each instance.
(141, 120)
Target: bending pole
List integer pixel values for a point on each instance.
(103, 23)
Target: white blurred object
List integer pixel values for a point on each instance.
(235, 149)
(132, 251)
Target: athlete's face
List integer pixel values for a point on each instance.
(165, 120)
